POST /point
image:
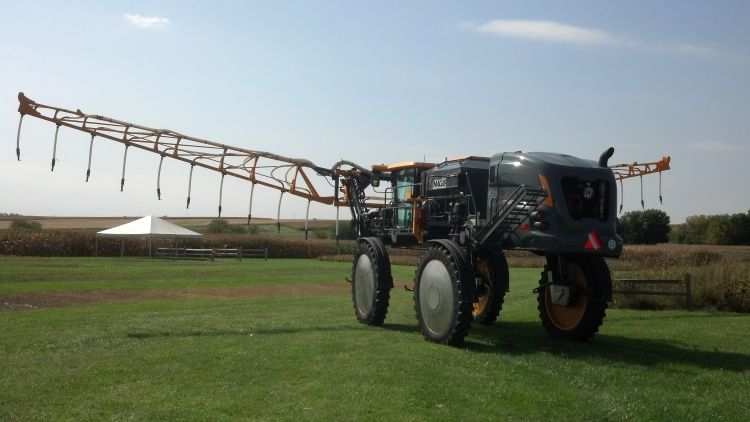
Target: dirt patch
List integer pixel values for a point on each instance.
(22, 301)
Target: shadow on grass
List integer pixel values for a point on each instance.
(243, 332)
(518, 338)
(266, 331)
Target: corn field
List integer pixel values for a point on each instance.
(83, 243)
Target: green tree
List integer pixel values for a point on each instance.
(739, 229)
(693, 231)
(718, 230)
(644, 227)
(728, 229)
(721, 229)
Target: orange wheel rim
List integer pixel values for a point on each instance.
(483, 297)
(568, 317)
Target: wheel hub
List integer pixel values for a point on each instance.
(436, 297)
(364, 284)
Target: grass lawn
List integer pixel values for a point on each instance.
(180, 350)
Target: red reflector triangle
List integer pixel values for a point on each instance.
(593, 243)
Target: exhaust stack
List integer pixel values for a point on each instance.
(606, 155)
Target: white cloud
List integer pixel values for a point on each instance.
(683, 49)
(692, 50)
(716, 146)
(148, 22)
(557, 32)
(547, 31)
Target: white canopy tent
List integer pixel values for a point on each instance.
(148, 227)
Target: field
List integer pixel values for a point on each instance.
(107, 338)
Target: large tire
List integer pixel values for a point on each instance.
(443, 293)
(371, 281)
(491, 271)
(582, 319)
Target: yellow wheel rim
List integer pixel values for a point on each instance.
(567, 318)
(483, 296)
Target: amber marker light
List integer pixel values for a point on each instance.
(545, 185)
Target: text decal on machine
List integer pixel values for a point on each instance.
(439, 182)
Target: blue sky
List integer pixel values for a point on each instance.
(376, 82)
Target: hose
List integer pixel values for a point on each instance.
(54, 148)
(250, 209)
(221, 191)
(91, 149)
(158, 179)
(18, 138)
(190, 184)
(124, 160)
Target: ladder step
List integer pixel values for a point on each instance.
(509, 216)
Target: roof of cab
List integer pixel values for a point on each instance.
(402, 165)
(420, 165)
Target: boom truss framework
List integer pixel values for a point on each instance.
(289, 175)
(625, 171)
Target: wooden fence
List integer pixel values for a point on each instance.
(631, 287)
(211, 254)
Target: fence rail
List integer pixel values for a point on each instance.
(211, 254)
(686, 282)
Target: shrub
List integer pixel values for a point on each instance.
(721, 285)
(321, 233)
(346, 231)
(222, 226)
(19, 224)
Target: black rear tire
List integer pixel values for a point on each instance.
(444, 293)
(581, 320)
(491, 269)
(371, 281)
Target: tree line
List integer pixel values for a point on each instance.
(653, 226)
(723, 229)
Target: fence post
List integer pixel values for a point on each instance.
(688, 291)
(266, 254)
(239, 253)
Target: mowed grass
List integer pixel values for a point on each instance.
(293, 357)
(34, 274)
